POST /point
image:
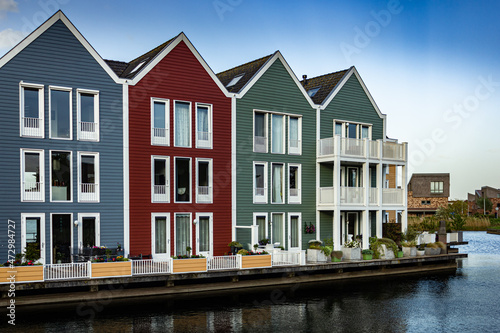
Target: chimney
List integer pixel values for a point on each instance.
(304, 78)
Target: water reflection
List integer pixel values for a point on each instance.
(442, 302)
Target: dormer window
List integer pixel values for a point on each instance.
(235, 80)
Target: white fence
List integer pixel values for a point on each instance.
(284, 258)
(150, 266)
(80, 270)
(223, 262)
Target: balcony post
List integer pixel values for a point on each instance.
(365, 228)
(336, 171)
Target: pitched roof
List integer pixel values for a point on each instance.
(247, 71)
(326, 84)
(117, 66)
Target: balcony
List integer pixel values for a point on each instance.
(373, 196)
(32, 191)
(203, 139)
(88, 131)
(352, 147)
(160, 193)
(89, 192)
(357, 148)
(393, 196)
(393, 151)
(352, 195)
(159, 136)
(204, 194)
(326, 196)
(31, 127)
(260, 144)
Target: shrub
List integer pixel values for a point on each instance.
(366, 251)
(377, 245)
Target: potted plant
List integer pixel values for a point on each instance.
(367, 254)
(255, 246)
(421, 250)
(383, 248)
(409, 248)
(432, 249)
(352, 250)
(337, 256)
(235, 246)
(315, 253)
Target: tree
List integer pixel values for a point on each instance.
(484, 202)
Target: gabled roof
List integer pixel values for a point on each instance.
(59, 15)
(117, 66)
(246, 71)
(253, 71)
(326, 84)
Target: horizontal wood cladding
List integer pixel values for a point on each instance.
(178, 77)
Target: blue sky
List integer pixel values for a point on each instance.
(431, 66)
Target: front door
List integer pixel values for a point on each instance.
(351, 225)
(33, 236)
(160, 226)
(62, 235)
(204, 232)
(294, 234)
(88, 230)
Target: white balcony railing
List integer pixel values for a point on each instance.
(326, 147)
(392, 196)
(204, 194)
(294, 147)
(80, 270)
(150, 266)
(88, 131)
(31, 127)
(359, 148)
(285, 258)
(393, 151)
(222, 262)
(32, 191)
(353, 147)
(373, 195)
(374, 149)
(326, 195)
(89, 192)
(260, 144)
(159, 136)
(204, 139)
(352, 195)
(160, 193)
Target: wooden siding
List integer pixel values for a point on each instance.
(189, 265)
(351, 103)
(326, 223)
(57, 58)
(178, 76)
(109, 269)
(275, 91)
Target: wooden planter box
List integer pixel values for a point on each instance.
(256, 261)
(111, 269)
(22, 273)
(189, 265)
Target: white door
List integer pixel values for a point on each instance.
(204, 234)
(294, 232)
(33, 234)
(160, 236)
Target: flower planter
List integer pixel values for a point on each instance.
(386, 253)
(315, 255)
(367, 256)
(22, 273)
(335, 259)
(409, 251)
(193, 265)
(420, 253)
(400, 254)
(429, 251)
(111, 269)
(351, 253)
(256, 261)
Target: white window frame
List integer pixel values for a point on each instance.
(359, 126)
(70, 90)
(41, 109)
(298, 198)
(211, 234)
(41, 216)
(97, 217)
(283, 134)
(255, 232)
(96, 135)
(283, 175)
(290, 215)
(190, 179)
(166, 141)
(51, 233)
(160, 256)
(283, 234)
(41, 153)
(206, 144)
(297, 150)
(190, 124)
(71, 174)
(266, 131)
(260, 199)
(190, 231)
(81, 197)
(166, 196)
(202, 198)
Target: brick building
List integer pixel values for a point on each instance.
(427, 192)
(489, 192)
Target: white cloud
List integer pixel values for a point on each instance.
(9, 38)
(7, 6)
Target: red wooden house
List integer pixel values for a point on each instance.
(179, 147)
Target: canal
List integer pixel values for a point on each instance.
(466, 301)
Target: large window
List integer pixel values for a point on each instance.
(60, 113)
(260, 227)
(60, 176)
(204, 180)
(88, 177)
(160, 232)
(352, 130)
(278, 134)
(260, 132)
(278, 229)
(160, 191)
(88, 230)
(204, 231)
(182, 233)
(203, 126)
(437, 187)
(160, 122)
(295, 135)
(32, 170)
(88, 115)
(260, 182)
(182, 179)
(294, 183)
(294, 234)
(182, 123)
(277, 188)
(32, 110)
